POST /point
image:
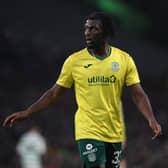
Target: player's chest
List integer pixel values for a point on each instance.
(99, 69)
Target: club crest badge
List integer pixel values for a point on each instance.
(115, 66)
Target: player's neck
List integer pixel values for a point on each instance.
(101, 51)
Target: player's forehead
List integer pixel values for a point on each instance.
(93, 22)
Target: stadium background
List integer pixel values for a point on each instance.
(35, 38)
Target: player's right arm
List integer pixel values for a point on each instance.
(47, 99)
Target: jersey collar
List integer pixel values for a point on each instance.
(98, 56)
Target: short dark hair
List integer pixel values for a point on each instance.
(107, 23)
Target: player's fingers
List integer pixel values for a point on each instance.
(156, 134)
(154, 137)
(9, 119)
(11, 122)
(6, 121)
(157, 131)
(15, 117)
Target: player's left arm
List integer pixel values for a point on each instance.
(143, 104)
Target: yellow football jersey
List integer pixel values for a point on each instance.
(98, 87)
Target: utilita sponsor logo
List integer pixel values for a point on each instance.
(102, 80)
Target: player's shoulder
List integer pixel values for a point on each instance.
(78, 53)
(75, 56)
(121, 52)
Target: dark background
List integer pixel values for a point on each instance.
(36, 36)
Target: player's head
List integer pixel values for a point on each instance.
(98, 28)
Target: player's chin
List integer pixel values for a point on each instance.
(90, 45)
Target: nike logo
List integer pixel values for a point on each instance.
(87, 66)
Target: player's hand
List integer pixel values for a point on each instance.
(155, 126)
(17, 116)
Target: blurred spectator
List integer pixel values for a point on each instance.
(31, 148)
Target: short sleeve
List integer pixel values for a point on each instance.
(132, 76)
(65, 78)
